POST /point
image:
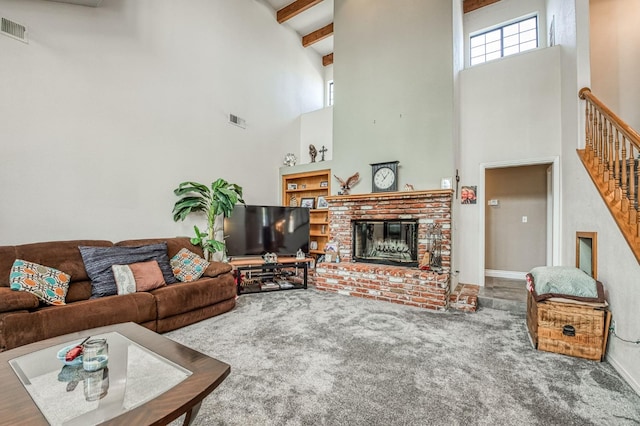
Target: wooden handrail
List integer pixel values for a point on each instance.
(611, 156)
(628, 131)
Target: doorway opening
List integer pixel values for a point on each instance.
(519, 219)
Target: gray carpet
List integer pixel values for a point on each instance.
(306, 357)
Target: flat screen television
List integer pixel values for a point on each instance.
(256, 230)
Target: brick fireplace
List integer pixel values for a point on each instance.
(392, 283)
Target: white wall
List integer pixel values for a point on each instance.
(316, 128)
(394, 90)
(107, 109)
(615, 56)
(510, 113)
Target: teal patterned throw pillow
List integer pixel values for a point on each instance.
(188, 266)
(47, 284)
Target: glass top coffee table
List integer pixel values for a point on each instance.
(148, 379)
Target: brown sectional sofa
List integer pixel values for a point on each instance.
(23, 319)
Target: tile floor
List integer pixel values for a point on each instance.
(504, 294)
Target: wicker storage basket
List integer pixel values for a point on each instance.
(568, 328)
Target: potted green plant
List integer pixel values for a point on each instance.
(213, 202)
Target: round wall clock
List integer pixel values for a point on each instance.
(384, 176)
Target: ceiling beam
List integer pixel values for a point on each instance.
(327, 59)
(294, 9)
(471, 5)
(317, 35)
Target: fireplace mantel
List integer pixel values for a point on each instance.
(390, 195)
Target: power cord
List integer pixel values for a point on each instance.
(612, 330)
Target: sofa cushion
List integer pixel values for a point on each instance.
(98, 262)
(217, 268)
(184, 297)
(21, 328)
(62, 255)
(16, 300)
(7, 256)
(47, 284)
(188, 266)
(78, 290)
(142, 276)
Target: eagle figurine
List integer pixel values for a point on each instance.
(345, 186)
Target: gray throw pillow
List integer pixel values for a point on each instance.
(563, 280)
(98, 262)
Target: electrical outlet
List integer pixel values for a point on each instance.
(613, 326)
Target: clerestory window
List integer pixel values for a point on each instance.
(506, 40)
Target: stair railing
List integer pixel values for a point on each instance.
(612, 157)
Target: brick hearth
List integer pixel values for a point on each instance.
(397, 284)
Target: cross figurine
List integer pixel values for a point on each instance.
(322, 151)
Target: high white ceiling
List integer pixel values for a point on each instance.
(308, 21)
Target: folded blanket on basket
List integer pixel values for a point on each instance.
(564, 281)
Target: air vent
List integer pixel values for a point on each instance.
(240, 122)
(13, 30)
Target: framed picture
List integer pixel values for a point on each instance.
(313, 245)
(307, 202)
(291, 186)
(324, 184)
(322, 203)
(445, 183)
(468, 194)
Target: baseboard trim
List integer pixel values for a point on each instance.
(514, 275)
(624, 373)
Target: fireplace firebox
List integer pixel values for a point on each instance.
(389, 242)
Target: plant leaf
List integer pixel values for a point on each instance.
(214, 245)
(217, 200)
(188, 187)
(238, 190)
(186, 205)
(219, 183)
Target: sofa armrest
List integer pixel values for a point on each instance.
(216, 268)
(11, 300)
